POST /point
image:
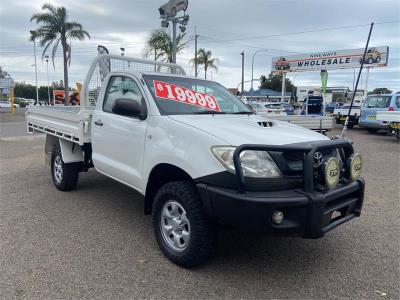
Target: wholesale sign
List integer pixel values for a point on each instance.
(338, 59)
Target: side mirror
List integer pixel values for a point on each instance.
(128, 108)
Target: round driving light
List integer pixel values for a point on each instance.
(277, 217)
(331, 172)
(354, 166)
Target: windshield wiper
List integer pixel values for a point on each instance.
(209, 112)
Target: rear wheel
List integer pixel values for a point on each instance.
(183, 231)
(65, 176)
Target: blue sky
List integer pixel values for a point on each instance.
(225, 27)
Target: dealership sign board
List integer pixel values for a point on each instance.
(338, 59)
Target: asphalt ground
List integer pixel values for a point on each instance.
(95, 242)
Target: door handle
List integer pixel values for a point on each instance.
(98, 123)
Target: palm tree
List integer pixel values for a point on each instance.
(55, 29)
(204, 58)
(160, 43)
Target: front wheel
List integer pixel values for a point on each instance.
(183, 231)
(65, 176)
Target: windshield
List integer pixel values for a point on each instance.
(377, 101)
(185, 96)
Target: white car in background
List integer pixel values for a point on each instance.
(5, 106)
(275, 109)
(258, 107)
(269, 108)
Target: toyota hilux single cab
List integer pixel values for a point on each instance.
(199, 156)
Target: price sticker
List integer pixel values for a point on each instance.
(181, 94)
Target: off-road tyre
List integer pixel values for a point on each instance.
(203, 231)
(69, 171)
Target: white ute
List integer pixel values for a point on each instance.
(199, 156)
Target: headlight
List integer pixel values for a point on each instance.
(256, 164)
(354, 166)
(331, 170)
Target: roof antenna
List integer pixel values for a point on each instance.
(355, 88)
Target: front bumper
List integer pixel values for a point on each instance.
(372, 125)
(310, 211)
(309, 215)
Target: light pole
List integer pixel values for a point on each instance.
(242, 54)
(48, 83)
(252, 64)
(168, 14)
(33, 37)
(195, 51)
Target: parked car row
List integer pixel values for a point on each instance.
(374, 104)
(7, 105)
(378, 112)
(272, 108)
(330, 107)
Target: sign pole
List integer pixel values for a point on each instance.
(283, 86)
(12, 99)
(366, 83)
(324, 82)
(358, 79)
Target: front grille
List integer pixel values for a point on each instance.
(293, 156)
(298, 156)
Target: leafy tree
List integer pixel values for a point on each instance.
(24, 90)
(381, 91)
(204, 58)
(160, 43)
(28, 91)
(274, 82)
(55, 28)
(3, 74)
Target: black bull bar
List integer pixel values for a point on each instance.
(308, 148)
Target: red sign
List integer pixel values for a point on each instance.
(180, 94)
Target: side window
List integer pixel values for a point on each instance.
(121, 87)
(398, 101)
